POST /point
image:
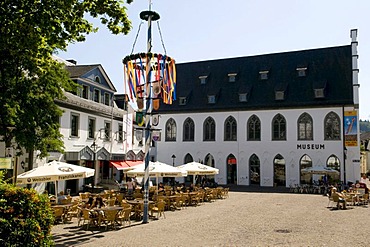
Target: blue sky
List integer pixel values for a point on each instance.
(208, 29)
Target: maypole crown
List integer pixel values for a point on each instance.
(144, 15)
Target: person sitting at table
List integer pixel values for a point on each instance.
(89, 202)
(98, 203)
(183, 187)
(161, 188)
(339, 198)
(61, 197)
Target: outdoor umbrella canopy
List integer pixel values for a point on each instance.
(195, 168)
(319, 170)
(54, 171)
(156, 169)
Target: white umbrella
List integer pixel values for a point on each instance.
(319, 170)
(54, 171)
(195, 168)
(156, 169)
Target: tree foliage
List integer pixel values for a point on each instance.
(26, 218)
(30, 80)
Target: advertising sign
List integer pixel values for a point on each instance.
(350, 128)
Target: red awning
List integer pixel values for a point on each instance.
(125, 164)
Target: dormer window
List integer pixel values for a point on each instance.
(243, 97)
(232, 77)
(203, 79)
(301, 71)
(319, 89)
(279, 95)
(319, 93)
(182, 100)
(264, 74)
(211, 99)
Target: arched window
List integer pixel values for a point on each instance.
(209, 129)
(279, 170)
(305, 127)
(304, 163)
(188, 134)
(332, 126)
(333, 163)
(209, 160)
(97, 79)
(254, 169)
(254, 129)
(230, 129)
(279, 128)
(171, 130)
(188, 158)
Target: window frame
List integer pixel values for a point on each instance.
(171, 130)
(97, 95)
(188, 130)
(230, 129)
(254, 134)
(334, 119)
(107, 100)
(91, 129)
(279, 122)
(75, 124)
(305, 134)
(107, 131)
(209, 129)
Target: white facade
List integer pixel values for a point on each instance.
(266, 149)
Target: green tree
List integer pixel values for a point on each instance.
(30, 80)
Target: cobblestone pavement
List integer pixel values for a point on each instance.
(243, 219)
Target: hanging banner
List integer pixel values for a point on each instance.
(350, 128)
(127, 123)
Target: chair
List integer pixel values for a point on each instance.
(159, 209)
(110, 217)
(225, 193)
(74, 211)
(58, 214)
(111, 202)
(336, 199)
(125, 216)
(88, 216)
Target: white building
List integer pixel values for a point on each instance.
(94, 129)
(261, 119)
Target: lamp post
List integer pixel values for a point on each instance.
(173, 159)
(173, 164)
(93, 146)
(344, 165)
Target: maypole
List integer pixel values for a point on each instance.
(149, 76)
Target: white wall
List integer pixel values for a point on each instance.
(266, 149)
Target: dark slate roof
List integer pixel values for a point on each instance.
(76, 71)
(328, 68)
(365, 136)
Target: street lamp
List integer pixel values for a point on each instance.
(93, 146)
(173, 159)
(173, 164)
(344, 165)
